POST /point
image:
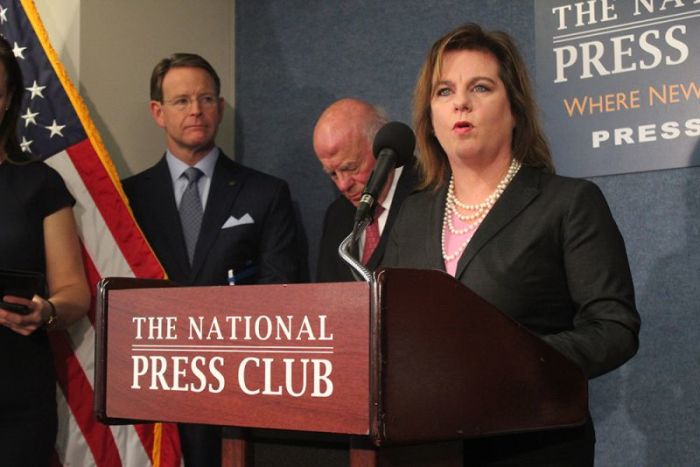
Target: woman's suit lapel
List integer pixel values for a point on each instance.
(433, 231)
(518, 195)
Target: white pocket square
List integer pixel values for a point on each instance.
(233, 222)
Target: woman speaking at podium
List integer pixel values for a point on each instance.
(544, 249)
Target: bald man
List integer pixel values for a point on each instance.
(342, 142)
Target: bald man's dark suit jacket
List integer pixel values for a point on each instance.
(248, 226)
(338, 223)
(550, 255)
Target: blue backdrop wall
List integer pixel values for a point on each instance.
(295, 57)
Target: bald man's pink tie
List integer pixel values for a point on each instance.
(372, 236)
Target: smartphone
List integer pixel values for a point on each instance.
(20, 283)
(14, 307)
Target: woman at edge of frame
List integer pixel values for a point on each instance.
(37, 233)
(542, 248)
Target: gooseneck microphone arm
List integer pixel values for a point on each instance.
(359, 271)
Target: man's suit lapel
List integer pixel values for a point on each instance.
(224, 188)
(521, 192)
(167, 218)
(404, 187)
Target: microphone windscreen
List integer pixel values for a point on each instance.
(397, 136)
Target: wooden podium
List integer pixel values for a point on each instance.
(415, 357)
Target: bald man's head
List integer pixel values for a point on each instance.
(343, 144)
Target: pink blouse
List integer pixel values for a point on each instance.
(453, 242)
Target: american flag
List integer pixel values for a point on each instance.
(55, 126)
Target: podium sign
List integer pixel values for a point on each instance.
(234, 356)
(414, 358)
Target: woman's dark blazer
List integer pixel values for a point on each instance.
(549, 254)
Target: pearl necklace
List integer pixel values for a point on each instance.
(479, 211)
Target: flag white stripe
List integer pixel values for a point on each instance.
(106, 256)
(96, 236)
(72, 450)
(131, 449)
(82, 340)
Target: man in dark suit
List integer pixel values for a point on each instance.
(342, 141)
(209, 220)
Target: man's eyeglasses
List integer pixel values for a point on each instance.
(206, 102)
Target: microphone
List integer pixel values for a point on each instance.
(393, 147)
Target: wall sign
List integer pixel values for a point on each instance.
(618, 83)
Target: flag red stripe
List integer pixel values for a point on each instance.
(78, 392)
(147, 437)
(116, 215)
(170, 450)
(139, 257)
